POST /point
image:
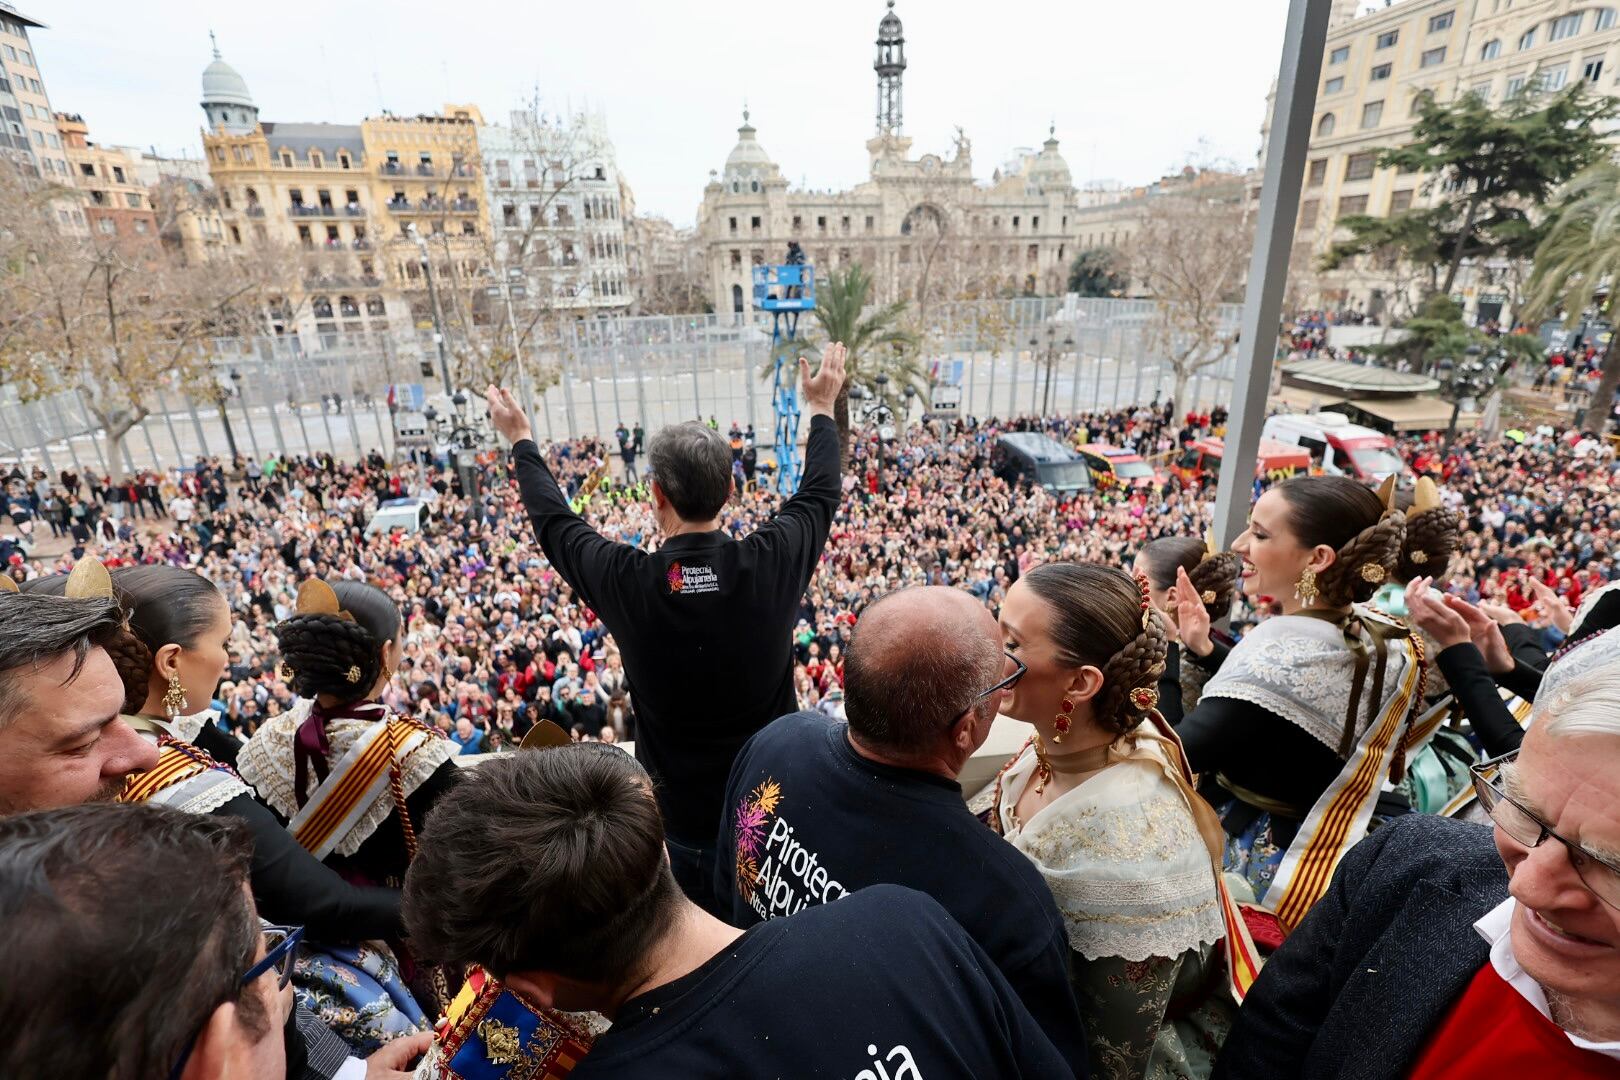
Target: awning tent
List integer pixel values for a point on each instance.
(1412, 414)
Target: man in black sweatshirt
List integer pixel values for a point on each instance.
(705, 623)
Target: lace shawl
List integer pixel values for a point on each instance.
(1301, 669)
(266, 762)
(1124, 860)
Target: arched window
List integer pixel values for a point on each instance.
(737, 299)
(753, 185)
(1491, 49)
(1324, 126)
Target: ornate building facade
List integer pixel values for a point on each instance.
(923, 227)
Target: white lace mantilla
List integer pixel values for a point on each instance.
(1301, 669)
(202, 794)
(266, 762)
(1124, 860)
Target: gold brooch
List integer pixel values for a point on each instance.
(354, 673)
(1144, 698)
(1373, 573)
(1420, 557)
(1207, 596)
(285, 670)
(502, 1043)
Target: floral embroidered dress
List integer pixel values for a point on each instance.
(1132, 878)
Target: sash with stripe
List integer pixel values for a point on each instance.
(1465, 798)
(354, 784)
(489, 1033)
(1340, 817)
(184, 777)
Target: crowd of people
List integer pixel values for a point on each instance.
(1172, 878)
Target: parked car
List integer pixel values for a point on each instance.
(1113, 467)
(1040, 459)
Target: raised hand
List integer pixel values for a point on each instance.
(1192, 617)
(821, 391)
(1485, 630)
(1552, 606)
(507, 416)
(1434, 616)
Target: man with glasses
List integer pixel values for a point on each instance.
(1446, 950)
(816, 810)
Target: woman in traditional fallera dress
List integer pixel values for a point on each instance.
(1213, 575)
(353, 784)
(1306, 717)
(1101, 800)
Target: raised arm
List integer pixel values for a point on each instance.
(590, 563)
(801, 526)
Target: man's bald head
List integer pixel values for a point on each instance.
(917, 658)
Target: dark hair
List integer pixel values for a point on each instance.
(1215, 577)
(35, 629)
(1350, 518)
(693, 465)
(1097, 620)
(908, 677)
(132, 914)
(544, 860)
(163, 605)
(324, 650)
(1432, 537)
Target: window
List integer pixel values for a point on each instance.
(1553, 78)
(1387, 39)
(11, 54)
(732, 225)
(133, 199)
(315, 159)
(1418, 101)
(869, 223)
(1431, 57)
(1318, 173)
(1440, 22)
(736, 259)
(1527, 39)
(1593, 71)
(1482, 91)
(1359, 166)
(1352, 204)
(1339, 55)
(1490, 50)
(106, 225)
(1565, 26)
(87, 168)
(821, 223)
(1400, 201)
(753, 223)
(1514, 85)
(27, 57)
(1333, 85)
(1324, 126)
(286, 160)
(798, 223)
(1604, 20)
(1380, 72)
(1371, 114)
(118, 173)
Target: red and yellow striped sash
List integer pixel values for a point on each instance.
(174, 766)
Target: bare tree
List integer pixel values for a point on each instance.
(115, 322)
(1190, 252)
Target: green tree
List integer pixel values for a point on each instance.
(1494, 166)
(1097, 272)
(1578, 264)
(876, 341)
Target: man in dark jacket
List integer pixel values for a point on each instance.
(705, 612)
(1438, 953)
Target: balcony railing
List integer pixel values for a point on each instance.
(305, 210)
(361, 244)
(253, 210)
(355, 210)
(391, 168)
(432, 206)
(425, 169)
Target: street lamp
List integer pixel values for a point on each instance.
(1467, 380)
(1051, 358)
(465, 434)
(220, 394)
(433, 297)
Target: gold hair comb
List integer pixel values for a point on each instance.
(89, 579)
(315, 597)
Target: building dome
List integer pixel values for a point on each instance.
(222, 84)
(748, 156)
(889, 26)
(1050, 171)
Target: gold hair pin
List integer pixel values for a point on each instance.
(89, 579)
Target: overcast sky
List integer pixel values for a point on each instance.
(1134, 88)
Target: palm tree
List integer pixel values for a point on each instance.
(1578, 267)
(875, 342)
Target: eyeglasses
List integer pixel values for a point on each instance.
(1598, 874)
(280, 952)
(1019, 668)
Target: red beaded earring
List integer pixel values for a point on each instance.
(1063, 721)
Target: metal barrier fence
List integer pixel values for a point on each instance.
(289, 397)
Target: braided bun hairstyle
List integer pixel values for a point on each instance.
(337, 656)
(1214, 576)
(1433, 536)
(1099, 618)
(1350, 518)
(163, 605)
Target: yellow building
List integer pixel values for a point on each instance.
(335, 201)
(1377, 66)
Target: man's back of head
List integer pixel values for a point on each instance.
(545, 861)
(917, 665)
(691, 464)
(137, 916)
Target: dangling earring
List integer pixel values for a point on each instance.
(1061, 725)
(175, 702)
(388, 674)
(1305, 590)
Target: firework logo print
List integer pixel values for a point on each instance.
(752, 817)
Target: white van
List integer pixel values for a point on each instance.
(1345, 449)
